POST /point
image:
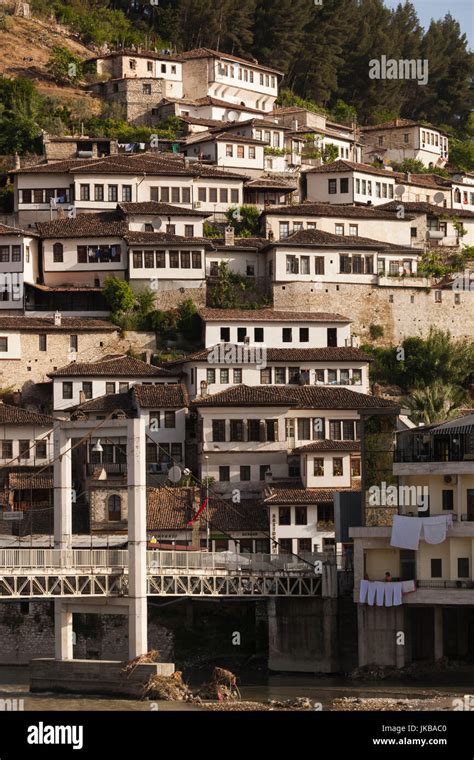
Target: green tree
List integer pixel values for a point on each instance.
(64, 66)
(189, 322)
(245, 220)
(145, 301)
(436, 402)
(118, 295)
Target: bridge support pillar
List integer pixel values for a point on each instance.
(63, 496)
(137, 592)
(62, 631)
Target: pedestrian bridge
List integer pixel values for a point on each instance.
(60, 573)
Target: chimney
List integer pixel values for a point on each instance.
(57, 319)
(82, 397)
(408, 177)
(203, 388)
(229, 238)
(16, 398)
(148, 353)
(17, 161)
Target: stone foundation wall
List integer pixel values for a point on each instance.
(401, 311)
(27, 632)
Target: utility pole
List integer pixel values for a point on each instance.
(208, 527)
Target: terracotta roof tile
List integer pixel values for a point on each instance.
(107, 404)
(209, 53)
(349, 166)
(328, 239)
(105, 224)
(170, 509)
(332, 210)
(328, 445)
(6, 229)
(421, 207)
(119, 366)
(166, 209)
(15, 415)
(161, 396)
(268, 315)
(68, 324)
(324, 354)
(283, 496)
(159, 238)
(293, 396)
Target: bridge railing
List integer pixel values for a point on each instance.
(56, 558)
(231, 561)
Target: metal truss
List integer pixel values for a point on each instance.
(74, 584)
(166, 584)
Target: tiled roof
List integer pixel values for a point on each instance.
(332, 210)
(109, 403)
(328, 239)
(170, 509)
(423, 180)
(271, 183)
(324, 354)
(268, 315)
(284, 496)
(427, 208)
(158, 238)
(120, 366)
(209, 53)
(152, 164)
(250, 242)
(136, 54)
(5, 229)
(299, 397)
(349, 166)
(161, 396)
(105, 224)
(25, 479)
(399, 124)
(68, 324)
(15, 415)
(166, 209)
(328, 445)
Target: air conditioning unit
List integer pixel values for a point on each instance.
(450, 479)
(197, 204)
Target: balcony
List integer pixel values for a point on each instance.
(111, 468)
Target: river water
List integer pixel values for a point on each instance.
(14, 685)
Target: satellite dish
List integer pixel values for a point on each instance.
(232, 115)
(174, 474)
(399, 190)
(438, 197)
(157, 223)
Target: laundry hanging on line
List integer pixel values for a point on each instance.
(382, 593)
(407, 531)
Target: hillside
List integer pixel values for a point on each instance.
(25, 48)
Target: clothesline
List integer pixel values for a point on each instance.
(407, 531)
(384, 593)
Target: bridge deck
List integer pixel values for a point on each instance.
(32, 573)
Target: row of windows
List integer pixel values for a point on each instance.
(302, 264)
(10, 250)
(463, 568)
(356, 264)
(362, 187)
(466, 197)
(298, 226)
(296, 375)
(245, 75)
(98, 193)
(307, 429)
(337, 467)
(240, 151)
(170, 229)
(325, 514)
(45, 195)
(167, 417)
(176, 259)
(286, 335)
(132, 65)
(25, 448)
(244, 473)
(164, 453)
(43, 342)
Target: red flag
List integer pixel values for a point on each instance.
(200, 511)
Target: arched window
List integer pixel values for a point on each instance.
(58, 252)
(457, 195)
(114, 503)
